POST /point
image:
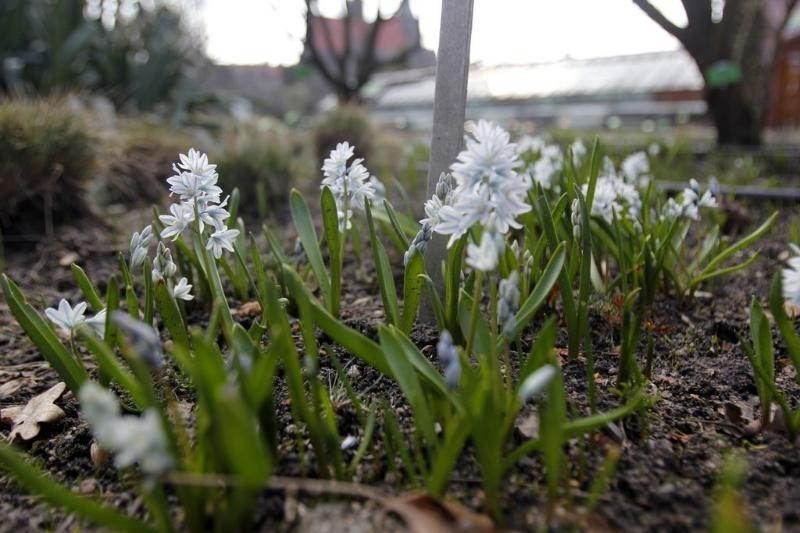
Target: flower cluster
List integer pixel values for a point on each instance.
(68, 318)
(132, 439)
(351, 185)
(443, 195)
(689, 204)
(195, 183)
(790, 277)
(489, 192)
(614, 196)
(636, 169)
(549, 165)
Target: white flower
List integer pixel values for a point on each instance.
(526, 143)
(790, 278)
(614, 197)
(486, 256)
(654, 149)
(689, 204)
(578, 151)
(636, 169)
(490, 191)
(140, 243)
(548, 166)
(131, 439)
(182, 216)
(66, 317)
(214, 214)
(98, 323)
(535, 382)
(181, 290)
(196, 163)
(190, 186)
(163, 266)
(351, 186)
(489, 157)
(349, 442)
(222, 239)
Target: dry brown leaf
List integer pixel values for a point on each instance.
(424, 514)
(9, 387)
(248, 309)
(39, 409)
(528, 424)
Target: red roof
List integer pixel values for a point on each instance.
(393, 35)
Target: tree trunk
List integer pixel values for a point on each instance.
(733, 116)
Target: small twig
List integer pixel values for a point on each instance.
(283, 484)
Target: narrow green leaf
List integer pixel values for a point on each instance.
(308, 238)
(87, 288)
(68, 367)
(112, 367)
(41, 484)
(384, 271)
(409, 383)
(171, 314)
(412, 289)
(334, 238)
(359, 345)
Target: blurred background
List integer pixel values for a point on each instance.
(97, 97)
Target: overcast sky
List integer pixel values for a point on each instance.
(504, 31)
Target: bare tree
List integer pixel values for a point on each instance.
(742, 38)
(347, 68)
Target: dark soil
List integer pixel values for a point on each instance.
(671, 456)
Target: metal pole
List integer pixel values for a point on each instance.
(449, 109)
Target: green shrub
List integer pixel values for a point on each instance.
(345, 123)
(47, 156)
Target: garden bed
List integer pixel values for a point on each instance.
(671, 457)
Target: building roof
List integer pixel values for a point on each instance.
(607, 78)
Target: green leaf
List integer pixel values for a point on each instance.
(41, 484)
(396, 225)
(785, 325)
(68, 367)
(171, 314)
(87, 288)
(482, 343)
(743, 243)
(544, 286)
(350, 339)
(111, 366)
(384, 271)
(412, 289)
(408, 381)
(308, 238)
(112, 304)
(334, 238)
(421, 363)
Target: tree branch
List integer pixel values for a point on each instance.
(659, 18)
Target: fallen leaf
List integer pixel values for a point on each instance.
(425, 514)
(250, 309)
(9, 387)
(39, 409)
(528, 425)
